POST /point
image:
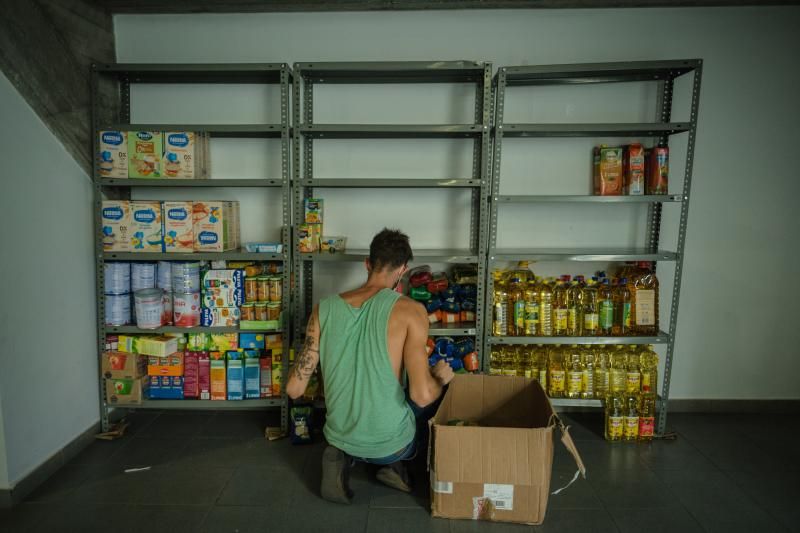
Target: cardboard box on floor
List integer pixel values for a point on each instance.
(500, 469)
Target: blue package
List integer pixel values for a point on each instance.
(235, 375)
(254, 341)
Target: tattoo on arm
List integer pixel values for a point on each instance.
(307, 359)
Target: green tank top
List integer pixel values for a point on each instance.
(368, 415)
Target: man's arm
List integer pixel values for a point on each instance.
(423, 387)
(307, 360)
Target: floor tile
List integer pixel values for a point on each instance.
(655, 520)
(709, 427)
(176, 424)
(404, 520)
(100, 451)
(602, 455)
(185, 485)
(61, 484)
(242, 425)
(673, 455)
(583, 520)
(317, 515)
(245, 520)
(739, 454)
(584, 426)
(770, 490)
(23, 517)
(138, 420)
(167, 518)
(259, 486)
(622, 489)
(107, 484)
(481, 526)
(85, 518)
(220, 453)
(579, 495)
(143, 452)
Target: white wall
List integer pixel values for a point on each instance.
(48, 368)
(736, 313)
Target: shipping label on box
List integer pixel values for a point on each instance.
(217, 376)
(265, 370)
(116, 220)
(112, 161)
(172, 365)
(180, 155)
(216, 225)
(220, 316)
(178, 227)
(144, 154)
(235, 375)
(126, 391)
(146, 229)
(120, 365)
(204, 376)
(223, 297)
(313, 210)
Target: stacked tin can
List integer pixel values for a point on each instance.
(263, 295)
(186, 293)
(148, 299)
(117, 288)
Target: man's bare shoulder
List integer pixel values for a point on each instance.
(410, 310)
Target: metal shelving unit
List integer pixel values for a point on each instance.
(664, 74)
(306, 132)
(111, 108)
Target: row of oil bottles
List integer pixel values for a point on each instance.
(625, 377)
(526, 306)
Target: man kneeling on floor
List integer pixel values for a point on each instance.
(364, 339)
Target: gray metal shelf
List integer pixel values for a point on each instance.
(391, 183)
(237, 131)
(576, 402)
(575, 254)
(373, 72)
(661, 338)
(466, 329)
(251, 73)
(420, 256)
(570, 198)
(581, 73)
(209, 405)
(233, 255)
(144, 182)
(196, 329)
(390, 131)
(592, 130)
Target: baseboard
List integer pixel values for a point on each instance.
(734, 406)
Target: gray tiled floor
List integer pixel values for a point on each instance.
(214, 472)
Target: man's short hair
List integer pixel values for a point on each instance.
(389, 249)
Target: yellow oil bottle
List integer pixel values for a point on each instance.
(617, 370)
(605, 297)
(556, 374)
(516, 299)
(525, 362)
(622, 309)
(574, 310)
(615, 415)
(496, 361)
(575, 373)
(589, 372)
(601, 373)
(500, 322)
(630, 431)
(540, 356)
(648, 366)
(590, 309)
(531, 309)
(644, 294)
(560, 309)
(545, 308)
(647, 416)
(633, 373)
(510, 358)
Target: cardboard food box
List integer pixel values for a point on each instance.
(218, 279)
(216, 226)
(220, 317)
(607, 171)
(181, 155)
(496, 465)
(252, 341)
(222, 342)
(120, 365)
(265, 369)
(165, 387)
(160, 346)
(217, 378)
(178, 227)
(146, 229)
(235, 374)
(112, 161)
(126, 391)
(333, 244)
(277, 373)
(172, 365)
(214, 297)
(191, 375)
(313, 210)
(116, 219)
(308, 241)
(633, 166)
(145, 149)
(252, 374)
(204, 376)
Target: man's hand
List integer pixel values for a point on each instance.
(442, 372)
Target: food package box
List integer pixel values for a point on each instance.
(112, 161)
(231, 278)
(277, 374)
(607, 171)
(658, 170)
(146, 229)
(172, 365)
(116, 219)
(112, 342)
(220, 317)
(265, 377)
(313, 210)
(204, 375)
(127, 344)
(273, 341)
(496, 463)
(191, 375)
(252, 341)
(181, 151)
(333, 244)
(160, 346)
(222, 342)
(198, 342)
(235, 374)
(306, 242)
(217, 376)
(145, 149)
(165, 388)
(223, 297)
(216, 226)
(126, 391)
(178, 227)
(120, 365)
(252, 374)
(633, 167)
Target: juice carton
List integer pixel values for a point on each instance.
(204, 375)
(252, 374)
(634, 169)
(216, 226)
(252, 341)
(313, 210)
(265, 369)
(220, 316)
(172, 365)
(116, 218)
(144, 154)
(658, 170)
(217, 376)
(607, 171)
(178, 227)
(191, 375)
(235, 374)
(181, 155)
(277, 374)
(222, 342)
(120, 365)
(146, 228)
(112, 161)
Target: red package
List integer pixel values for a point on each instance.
(658, 170)
(471, 362)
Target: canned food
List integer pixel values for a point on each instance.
(118, 309)
(273, 311)
(263, 289)
(249, 312)
(149, 308)
(275, 288)
(250, 289)
(117, 278)
(186, 277)
(261, 311)
(186, 309)
(143, 276)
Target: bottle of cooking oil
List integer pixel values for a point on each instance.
(574, 310)
(540, 356)
(526, 364)
(590, 308)
(589, 372)
(617, 370)
(556, 377)
(622, 309)
(500, 323)
(516, 298)
(605, 298)
(523, 272)
(560, 308)
(630, 430)
(510, 360)
(644, 295)
(575, 374)
(545, 308)
(601, 373)
(615, 414)
(531, 309)
(647, 416)
(496, 360)
(648, 363)
(633, 374)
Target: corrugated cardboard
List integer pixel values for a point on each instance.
(120, 365)
(500, 469)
